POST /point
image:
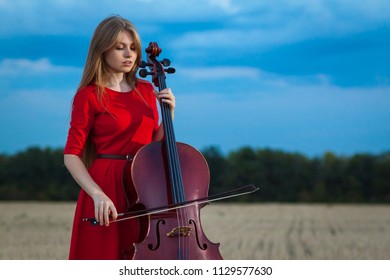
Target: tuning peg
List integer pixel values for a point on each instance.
(143, 64)
(170, 70)
(166, 62)
(143, 73)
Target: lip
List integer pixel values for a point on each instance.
(127, 63)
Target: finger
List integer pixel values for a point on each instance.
(106, 213)
(164, 96)
(97, 213)
(166, 91)
(101, 214)
(167, 96)
(171, 103)
(114, 213)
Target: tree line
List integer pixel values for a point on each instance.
(39, 174)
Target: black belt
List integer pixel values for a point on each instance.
(128, 157)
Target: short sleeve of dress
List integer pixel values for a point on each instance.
(82, 117)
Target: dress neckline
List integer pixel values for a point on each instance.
(120, 92)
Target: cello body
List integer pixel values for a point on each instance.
(174, 234)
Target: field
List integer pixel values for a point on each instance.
(41, 230)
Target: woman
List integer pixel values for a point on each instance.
(114, 114)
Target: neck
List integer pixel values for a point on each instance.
(118, 82)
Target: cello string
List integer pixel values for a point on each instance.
(169, 138)
(179, 189)
(182, 213)
(174, 170)
(181, 194)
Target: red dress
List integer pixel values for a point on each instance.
(121, 126)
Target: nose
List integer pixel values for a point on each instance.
(127, 52)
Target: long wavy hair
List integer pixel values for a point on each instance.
(96, 72)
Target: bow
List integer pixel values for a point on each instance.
(144, 212)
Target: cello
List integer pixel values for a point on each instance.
(170, 195)
(177, 173)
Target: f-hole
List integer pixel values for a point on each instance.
(202, 247)
(150, 245)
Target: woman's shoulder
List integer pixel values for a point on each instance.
(144, 85)
(87, 90)
(86, 94)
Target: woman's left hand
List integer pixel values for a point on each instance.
(167, 96)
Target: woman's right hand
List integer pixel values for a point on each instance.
(104, 209)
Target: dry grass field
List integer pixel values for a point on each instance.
(41, 230)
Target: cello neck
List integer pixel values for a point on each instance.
(171, 152)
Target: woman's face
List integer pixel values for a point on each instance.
(121, 58)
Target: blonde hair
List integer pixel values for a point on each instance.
(96, 72)
(105, 37)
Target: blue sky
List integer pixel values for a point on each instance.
(299, 76)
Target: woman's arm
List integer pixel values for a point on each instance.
(103, 204)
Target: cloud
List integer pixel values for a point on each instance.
(262, 24)
(250, 38)
(21, 66)
(218, 73)
(236, 79)
(35, 75)
(80, 17)
(223, 80)
(225, 5)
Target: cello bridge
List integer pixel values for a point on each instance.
(184, 231)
